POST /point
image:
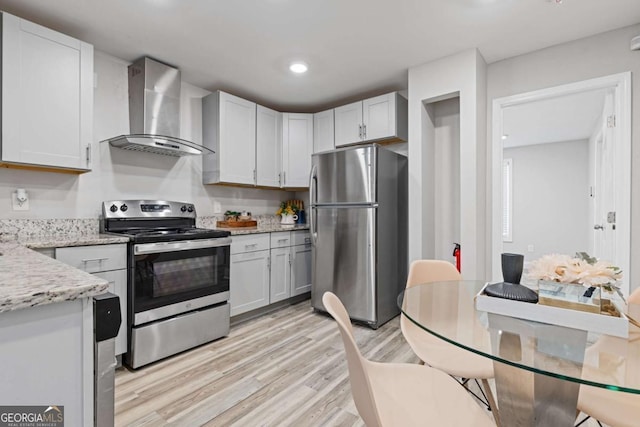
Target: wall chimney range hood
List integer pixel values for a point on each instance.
(154, 112)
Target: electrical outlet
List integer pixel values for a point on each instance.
(530, 248)
(16, 205)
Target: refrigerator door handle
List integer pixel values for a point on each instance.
(313, 198)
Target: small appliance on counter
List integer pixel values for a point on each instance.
(177, 280)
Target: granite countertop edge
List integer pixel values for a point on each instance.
(29, 279)
(275, 228)
(65, 241)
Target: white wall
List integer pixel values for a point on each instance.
(587, 58)
(120, 174)
(550, 199)
(447, 177)
(461, 75)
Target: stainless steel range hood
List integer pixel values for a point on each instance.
(154, 112)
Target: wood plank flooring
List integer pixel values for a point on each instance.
(287, 368)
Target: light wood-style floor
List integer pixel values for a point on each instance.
(283, 369)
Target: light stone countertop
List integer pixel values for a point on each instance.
(266, 228)
(29, 279)
(66, 240)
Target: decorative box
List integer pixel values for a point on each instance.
(559, 306)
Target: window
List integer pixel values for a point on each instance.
(507, 199)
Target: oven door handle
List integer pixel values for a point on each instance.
(180, 245)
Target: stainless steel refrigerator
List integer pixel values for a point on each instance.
(358, 230)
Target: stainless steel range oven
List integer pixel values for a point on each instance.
(178, 278)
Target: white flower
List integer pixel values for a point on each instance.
(583, 270)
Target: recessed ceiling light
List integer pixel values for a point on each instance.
(298, 67)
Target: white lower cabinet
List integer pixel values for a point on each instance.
(280, 274)
(267, 268)
(249, 285)
(109, 262)
(300, 269)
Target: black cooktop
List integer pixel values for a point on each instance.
(146, 235)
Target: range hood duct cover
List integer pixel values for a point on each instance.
(154, 111)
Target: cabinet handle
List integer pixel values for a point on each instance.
(364, 131)
(255, 177)
(93, 260)
(269, 263)
(88, 154)
(283, 240)
(253, 245)
(360, 131)
(289, 259)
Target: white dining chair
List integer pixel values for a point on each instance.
(402, 394)
(615, 408)
(438, 353)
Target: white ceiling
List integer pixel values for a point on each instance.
(353, 47)
(564, 118)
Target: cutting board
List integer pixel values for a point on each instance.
(236, 224)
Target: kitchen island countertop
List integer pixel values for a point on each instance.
(29, 279)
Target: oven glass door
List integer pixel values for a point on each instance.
(165, 278)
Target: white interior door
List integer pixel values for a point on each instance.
(604, 189)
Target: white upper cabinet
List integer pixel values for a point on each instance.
(348, 124)
(323, 131)
(380, 118)
(297, 147)
(229, 129)
(268, 147)
(47, 97)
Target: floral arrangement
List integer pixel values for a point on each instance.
(287, 209)
(581, 269)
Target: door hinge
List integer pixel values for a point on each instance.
(88, 149)
(280, 179)
(611, 121)
(289, 259)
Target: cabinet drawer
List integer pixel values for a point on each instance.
(302, 237)
(281, 239)
(249, 243)
(94, 259)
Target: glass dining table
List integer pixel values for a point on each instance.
(538, 367)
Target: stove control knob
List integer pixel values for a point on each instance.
(113, 208)
(190, 208)
(124, 208)
(183, 208)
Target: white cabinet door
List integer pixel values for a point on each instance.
(300, 269)
(118, 285)
(47, 96)
(249, 281)
(348, 124)
(323, 134)
(229, 129)
(379, 117)
(268, 147)
(280, 274)
(297, 147)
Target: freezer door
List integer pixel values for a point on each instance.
(343, 259)
(344, 176)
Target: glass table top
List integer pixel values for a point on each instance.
(447, 310)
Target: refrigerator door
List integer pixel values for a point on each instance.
(344, 259)
(344, 176)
